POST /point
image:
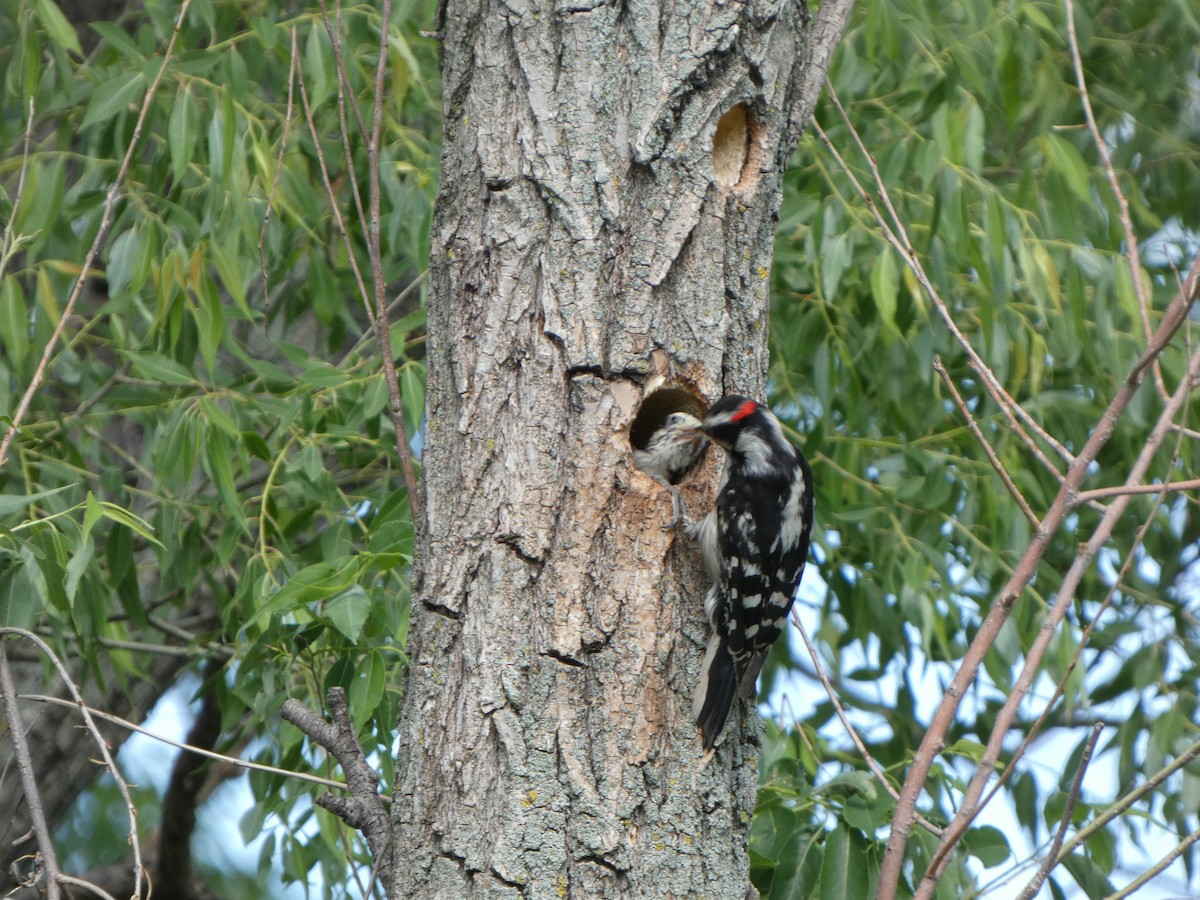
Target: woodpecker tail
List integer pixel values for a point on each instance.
(748, 686)
(715, 691)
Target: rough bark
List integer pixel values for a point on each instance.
(611, 180)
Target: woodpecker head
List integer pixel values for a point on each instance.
(747, 431)
(730, 416)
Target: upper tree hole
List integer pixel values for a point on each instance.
(737, 154)
(654, 411)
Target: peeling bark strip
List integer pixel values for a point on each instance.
(594, 227)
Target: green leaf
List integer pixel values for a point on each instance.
(93, 512)
(885, 285)
(310, 585)
(156, 367)
(218, 417)
(14, 321)
(973, 137)
(843, 873)
(60, 30)
(988, 844)
(182, 131)
(134, 523)
(77, 567)
(116, 36)
(1068, 162)
(14, 503)
(210, 323)
(323, 376)
(348, 612)
(218, 455)
(18, 596)
(366, 690)
(113, 97)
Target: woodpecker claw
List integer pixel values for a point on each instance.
(678, 509)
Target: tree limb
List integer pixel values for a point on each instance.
(364, 809)
(1039, 878)
(47, 859)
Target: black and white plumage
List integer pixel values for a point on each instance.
(671, 454)
(754, 544)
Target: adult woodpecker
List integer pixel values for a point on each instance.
(754, 544)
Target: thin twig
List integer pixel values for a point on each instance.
(850, 729)
(1039, 878)
(101, 744)
(383, 333)
(7, 240)
(417, 281)
(293, 69)
(1013, 490)
(87, 886)
(351, 259)
(211, 754)
(1128, 800)
(29, 785)
(343, 87)
(1127, 489)
(909, 253)
(1154, 871)
(891, 238)
(110, 201)
(1131, 242)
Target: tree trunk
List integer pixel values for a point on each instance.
(611, 179)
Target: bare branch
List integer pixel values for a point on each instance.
(1131, 242)
(351, 259)
(1135, 489)
(383, 332)
(287, 124)
(1060, 688)
(378, 314)
(1066, 594)
(987, 448)
(898, 236)
(101, 744)
(110, 201)
(364, 809)
(1128, 800)
(826, 30)
(1150, 874)
(201, 751)
(8, 239)
(29, 785)
(850, 729)
(343, 88)
(86, 886)
(1035, 883)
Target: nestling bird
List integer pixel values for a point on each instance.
(754, 544)
(671, 454)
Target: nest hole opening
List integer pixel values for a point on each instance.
(653, 412)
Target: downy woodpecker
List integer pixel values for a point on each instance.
(754, 544)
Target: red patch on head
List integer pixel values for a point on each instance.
(746, 409)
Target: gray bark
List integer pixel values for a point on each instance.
(611, 179)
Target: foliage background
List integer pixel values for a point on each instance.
(206, 469)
